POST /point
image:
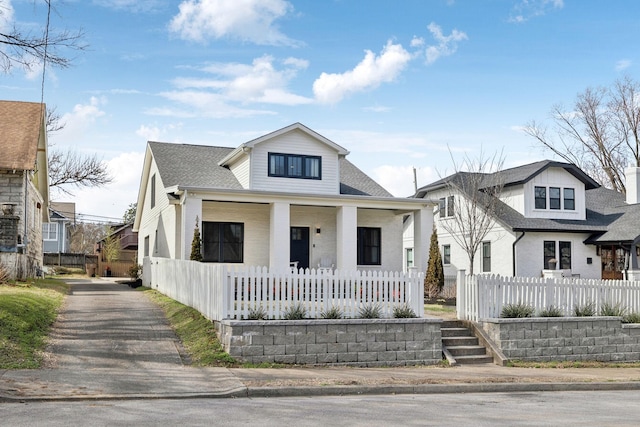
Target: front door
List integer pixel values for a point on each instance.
(300, 246)
(613, 260)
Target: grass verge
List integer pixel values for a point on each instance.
(27, 311)
(577, 364)
(198, 335)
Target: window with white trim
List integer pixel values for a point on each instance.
(486, 257)
(50, 231)
(446, 254)
(295, 166)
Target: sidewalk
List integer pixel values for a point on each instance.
(110, 342)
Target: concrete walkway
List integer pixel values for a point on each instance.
(111, 342)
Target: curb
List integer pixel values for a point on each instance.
(266, 392)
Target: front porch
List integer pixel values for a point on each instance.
(269, 229)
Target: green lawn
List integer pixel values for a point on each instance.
(27, 311)
(198, 335)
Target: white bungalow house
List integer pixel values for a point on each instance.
(288, 198)
(550, 216)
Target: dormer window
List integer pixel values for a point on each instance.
(295, 166)
(558, 198)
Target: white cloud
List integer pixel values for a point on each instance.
(233, 86)
(248, 21)
(447, 45)
(80, 120)
(155, 133)
(398, 180)
(110, 201)
(623, 64)
(368, 74)
(527, 9)
(417, 41)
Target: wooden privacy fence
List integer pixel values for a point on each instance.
(228, 292)
(484, 296)
(69, 260)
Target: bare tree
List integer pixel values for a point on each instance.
(475, 190)
(84, 236)
(602, 133)
(28, 49)
(68, 168)
(71, 169)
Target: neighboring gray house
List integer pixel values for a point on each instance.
(24, 186)
(56, 234)
(550, 215)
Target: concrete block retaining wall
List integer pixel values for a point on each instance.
(356, 342)
(603, 339)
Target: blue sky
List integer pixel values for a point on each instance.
(400, 84)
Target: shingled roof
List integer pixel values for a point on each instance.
(20, 127)
(197, 166)
(608, 217)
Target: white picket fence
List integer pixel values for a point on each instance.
(228, 292)
(484, 296)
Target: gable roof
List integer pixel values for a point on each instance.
(608, 217)
(199, 166)
(513, 176)
(235, 153)
(21, 124)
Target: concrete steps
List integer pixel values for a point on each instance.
(462, 345)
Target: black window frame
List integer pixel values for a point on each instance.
(153, 191)
(554, 198)
(369, 246)
(446, 254)
(548, 252)
(450, 206)
(564, 249)
(293, 166)
(146, 246)
(540, 196)
(569, 202)
(442, 207)
(486, 257)
(216, 245)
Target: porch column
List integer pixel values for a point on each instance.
(422, 229)
(279, 236)
(191, 209)
(347, 238)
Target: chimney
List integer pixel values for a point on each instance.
(632, 184)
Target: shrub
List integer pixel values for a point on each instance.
(295, 312)
(257, 313)
(514, 311)
(551, 311)
(332, 313)
(403, 311)
(370, 311)
(609, 309)
(631, 318)
(585, 310)
(4, 274)
(135, 271)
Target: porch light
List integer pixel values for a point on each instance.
(317, 230)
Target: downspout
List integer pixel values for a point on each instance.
(25, 236)
(513, 252)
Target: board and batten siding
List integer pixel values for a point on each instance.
(255, 218)
(295, 142)
(555, 177)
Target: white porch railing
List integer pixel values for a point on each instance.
(483, 296)
(227, 292)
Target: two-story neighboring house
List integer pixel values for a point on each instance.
(288, 198)
(550, 216)
(24, 186)
(56, 234)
